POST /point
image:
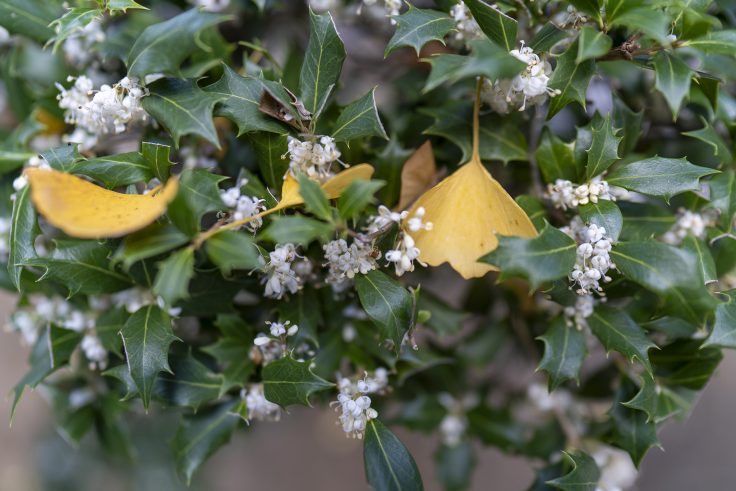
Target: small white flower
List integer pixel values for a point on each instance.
(566, 195)
(212, 5)
(79, 47)
(592, 261)
(688, 223)
(345, 261)
(355, 405)
(280, 278)
(94, 351)
(618, 472)
(385, 8)
(258, 407)
(465, 24)
(313, 158)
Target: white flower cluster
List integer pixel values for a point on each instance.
(355, 405)
(530, 86)
(133, 299)
(345, 261)
(583, 308)
(107, 110)
(566, 195)
(454, 424)
(280, 277)
(466, 26)
(312, 158)
(405, 251)
(212, 5)
(259, 408)
(194, 158)
(79, 47)
(243, 206)
(593, 260)
(272, 347)
(688, 223)
(387, 8)
(618, 472)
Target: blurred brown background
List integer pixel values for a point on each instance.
(307, 451)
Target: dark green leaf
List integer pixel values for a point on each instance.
(174, 274)
(115, 170)
(73, 21)
(269, 149)
(191, 384)
(646, 399)
(23, 232)
(147, 336)
(455, 465)
(571, 79)
(444, 319)
(287, 381)
(198, 194)
(703, 258)
(388, 464)
(564, 352)
(115, 6)
(631, 431)
(654, 23)
(499, 27)
(592, 43)
(151, 241)
(618, 332)
(387, 303)
(547, 257)
(605, 213)
(107, 328)
(297, 229)
(603, 151)
(359, 120)
(29, 18)
(546, 38)
(718, 42)
(555, 158)
(416, 27)
(356, 197)
(708, 134)
(659, 176)
(673, 79)
(61, 158)
(322, 62)
(182, 108)
(315, 198)
(590, 7)
(583, 476)
(724, 327)
(157, 158)
(534, 209)
(232, 250)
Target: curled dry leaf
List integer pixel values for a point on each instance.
(468, 209)
(87, 211)
(417, 175)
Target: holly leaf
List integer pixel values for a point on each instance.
(359, 120)
(200, 435)
(673, 79)
(618, 332)
(356, 197)
(156, 156)
(723, 196)
(115, 6)
(115, 170)
(416, 27)
(605, 213)
(548, 36)
(717, 42)
(455, 465)
(590, 7)
(231, 250)
(191, 384)
(240, 100)
(198, 194)
(647, 399)
(74, 20)
(149, 242)
(659, 176)
(388, 464)
(592, 43)
(61, 158)
(555, 158)
(631, 430)
(269, 148)
(174, 275)
(322, 63)
(583, 476)
(603, 151)
(287, 381)
(707, 134)
(29, 18)
(571, 79)
(564, 352)
(183, 109)
(547, 257)
(162, 47)
(723, 334)
(499, 27)
(704, 261)
(387, 303)
(23, 232)
(654, 23)
(147, 336)
(298, 229)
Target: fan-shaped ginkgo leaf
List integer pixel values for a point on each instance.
(87, 211)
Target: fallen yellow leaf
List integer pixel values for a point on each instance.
(87, 211)
(467, 210)
(417, 175)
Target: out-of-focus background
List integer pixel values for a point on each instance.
(305, 450)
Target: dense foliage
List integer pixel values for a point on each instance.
(248, 229)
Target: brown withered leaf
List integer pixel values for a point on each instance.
(418, 175)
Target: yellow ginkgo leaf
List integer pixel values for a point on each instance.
(87, 211)
(467, 210)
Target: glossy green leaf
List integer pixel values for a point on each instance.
(548, 36)
(73, 21)
(455, 466)
(115, 170)
(704, 261)
(388, 464)
(149, 242)
(23, 232)
(115, 6)
(603, 151)
(315, 198)
(147, 336)
(605, 213)
(592, 43)
(583, 476)
(231, 250)
(617, 331)
(416, 27)
(198, 194)
(590, 7)
(631, 431)
(29, 17)
(287, 381)
(359, 120)
(653, 22)
(555, 158)
(564, 352)
(718, 42)
(192, 384)
(61, 158)
(387, 303)
(499, 27)
(723, 334)
(673, 79)
(297, 229)
(356, 197)
(157, 158)
(647, 399)
(174, 275)
(534, 209)
(269, 149)
(322, 62)
(708, 134)
(571, 79)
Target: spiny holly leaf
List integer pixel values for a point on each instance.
(704, 261)
(534, 209)
(115, 170)
(183, 108)
(304, 309)
(151, 241)
(416, 27)
(564, 352)
(547, 37)
(174, 275)
(23, 232)
(584, 475)
(605, 213)
(241, 99)
(315, 198)
(592, 43)
(322, 62)
(388, 464)
(708, 134)
(287, 381)
(192, 383)
(630, 124)
(359, 120)
(571, 79)
(673, 79)
(198, 194)
(74, 20)
(659, 176)
(82, 266)
(555, 158)
(200, 435)
(499, 27)
(107, 328)
(61, 158)
(646, 399)
(723, 196)
(269, 147)
(618, 332)
(590, 7)
(114, 6)
(724, 327)
(298, 229)
(547, 257)
(718, 42)
(157, 158)
(29, 17)
(231, 350)
(631, 431)
(232, 250)
(387, 303)
(603, 151)
(654, 23)
(356, 197)
(147, 336)
(162, 47)
(668, 272)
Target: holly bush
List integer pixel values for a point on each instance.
(216, 210)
